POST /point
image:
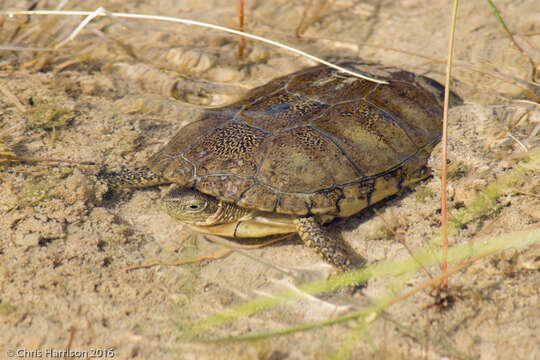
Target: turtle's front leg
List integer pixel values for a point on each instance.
(132, 178)
(331, 250)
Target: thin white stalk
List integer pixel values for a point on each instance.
(102, 12)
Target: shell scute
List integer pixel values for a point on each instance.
(368, 136)
(260, 197)
(232, 149)
(417, 111)
(301, 160)
(280, 111)
(229, 187)
(329, 86)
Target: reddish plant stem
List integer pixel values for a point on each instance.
(445, 142)
(241, 40)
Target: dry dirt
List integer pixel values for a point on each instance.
(117, 92)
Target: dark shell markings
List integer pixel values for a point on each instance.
(313, 142)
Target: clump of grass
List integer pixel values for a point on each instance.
(7, 308)
(34, 191)
(487, 197)
(43, 114)
(422, 193)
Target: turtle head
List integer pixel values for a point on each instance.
(188, 205)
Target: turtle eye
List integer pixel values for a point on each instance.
(194, 206)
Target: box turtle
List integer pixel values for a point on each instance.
(295, 153)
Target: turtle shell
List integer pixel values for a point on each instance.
(313, 142)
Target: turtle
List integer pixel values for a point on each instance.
(298, 152)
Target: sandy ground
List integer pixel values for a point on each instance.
(116, 94)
